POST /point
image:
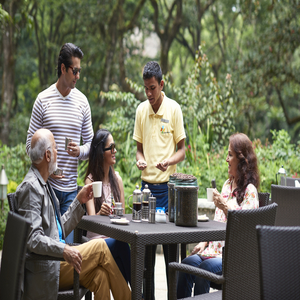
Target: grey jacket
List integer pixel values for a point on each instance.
(33, 200)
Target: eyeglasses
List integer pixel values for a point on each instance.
(112, 148)
(75, 70)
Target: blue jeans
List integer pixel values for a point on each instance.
(160, 192)
(121, 254)
(65, 200)
(202, 286)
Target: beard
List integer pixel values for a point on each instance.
(52, 165)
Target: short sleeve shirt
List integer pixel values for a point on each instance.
(159, 133)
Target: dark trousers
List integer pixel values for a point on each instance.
(151, 251)
(160, 191)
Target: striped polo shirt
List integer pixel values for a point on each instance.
(70, 117)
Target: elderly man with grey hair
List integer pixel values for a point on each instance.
(36, 201)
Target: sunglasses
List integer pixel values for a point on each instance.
(112, 148)
(75, 70)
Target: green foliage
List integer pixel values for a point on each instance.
(4, 16)
(272, 156)
(265, 67)
(15, 161)
(3, 218)
(202, 160)
(126, 166)
(123, 115)
(203, 99)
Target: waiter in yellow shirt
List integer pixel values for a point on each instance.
(159, 135)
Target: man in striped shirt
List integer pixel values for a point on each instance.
(66, 112)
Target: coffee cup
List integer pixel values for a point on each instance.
(97, 189)
(58, 172)
(118, 209)
(210, 194)
(67, 141)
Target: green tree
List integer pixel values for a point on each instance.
(203, 98)
(13, 17)
(167, 19)
(267, 66)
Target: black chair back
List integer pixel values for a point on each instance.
(289, 181)
(240, 257)
(263, 199)
(279, 257)
(72, 294)
(11, 202)
(288, 200)
(13, 256)
(241, 264)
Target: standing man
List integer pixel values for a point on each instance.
(36, 201)
(66, 112)
(158, 131)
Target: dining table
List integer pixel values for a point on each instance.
(142, 234)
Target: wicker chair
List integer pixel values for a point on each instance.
(13, 256)
(240, 277)
(78, 292)
(288, 200)
(263, 199)
(289, 181)
(279, 268)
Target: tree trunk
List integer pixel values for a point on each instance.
(164, 56)
(8, 77)
(168, 31)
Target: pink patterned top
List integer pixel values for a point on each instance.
(250, 201)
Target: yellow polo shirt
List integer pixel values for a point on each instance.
(159, 133)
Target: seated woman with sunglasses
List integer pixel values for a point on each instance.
(100, 168)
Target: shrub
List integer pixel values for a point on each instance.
(202, 160)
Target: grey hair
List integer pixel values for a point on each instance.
(37, 152)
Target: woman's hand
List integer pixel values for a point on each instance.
(199, 248)
(105, 210)
(220, 201)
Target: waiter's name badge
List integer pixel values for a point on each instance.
(165, 120)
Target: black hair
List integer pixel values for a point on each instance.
(96, 169)
(66, 53)
(152, 68)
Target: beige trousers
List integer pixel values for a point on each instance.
(99, 272)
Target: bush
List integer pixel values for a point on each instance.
(202, 160)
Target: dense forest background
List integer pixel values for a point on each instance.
(245, 77)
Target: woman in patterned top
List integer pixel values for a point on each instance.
(101, 160)
(238, 192)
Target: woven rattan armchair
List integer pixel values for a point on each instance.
(289, 181)
(240, 277)
(78, 292)
(279, 259)
(13, 256)
(263, 199)
(288, 200)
